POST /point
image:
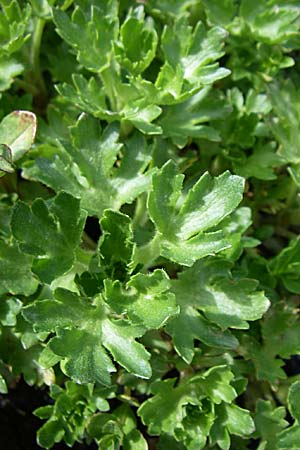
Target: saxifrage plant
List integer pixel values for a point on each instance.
(149, 220)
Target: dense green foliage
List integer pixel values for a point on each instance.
(175, 125)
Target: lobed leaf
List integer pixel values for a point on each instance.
(186, 233)
(50, 233)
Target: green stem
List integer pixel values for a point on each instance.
(9, 183)
(27, 87)
(110, 80)
(35, 53)
(292, 193)
(148, 253)
(140, 214)
(125, 129)
(88, 242)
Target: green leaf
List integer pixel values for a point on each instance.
(184, 233)
(286, 128)
(269, 422)
(73, 408)
(91, 31)
(14, 21)
(136, 47)
(21, 361)
(167, 10)
(166, 410)
(192, 55)
(90, 160)
(293, 401)
(267, 366)
(120, 427)
(17, 131)
(286, 266)
(219, 13)
(127, 103)
(116, 243)
(42, 8)
(9, 309)
(280, 331)
(185, 120)
(9, 69)
(234, 227)
(16, 278)
(196, 428)
(6, 203)
(295, 174)
(146, 300)
(239, 421)
(6, 164)
(260, 164)
(49, 434)
(84, 330)
(50, 232)
(225, 300)
(230, 419)
(191, 325)
(3, 386)
(289, 438)
(272, 23)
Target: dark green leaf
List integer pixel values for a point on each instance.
(50, 232)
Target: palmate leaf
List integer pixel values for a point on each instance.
(123, 422)
(85, 168)
(115, 251)
(49, 232)
(14, 32)
(267, 366)
(22, 361)
(85, 331)
(271, 22)
(165, 411)
(280, 331)
(289, 438)
(285, 127)
(135, 105)
(16, 278)
(230, 419)
(269, 422)
(9, 309)
(146, 300)
(189, 119)
(116, 243)
(13, 26)
(137, 43)
(280, 340)
(207, 398)
(186, 233)
(286, 265)
(209, 289)
(167, 9)
(190, 57)
(91, 31)
(68, 417)
(220, 13)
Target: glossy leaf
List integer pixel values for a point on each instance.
(184, 232)
(51, 235)
(90, 159)
(85, 332)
